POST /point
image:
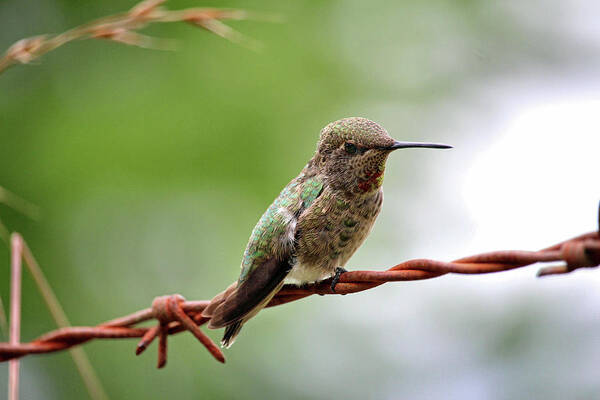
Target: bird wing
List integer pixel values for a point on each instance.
(269, 255)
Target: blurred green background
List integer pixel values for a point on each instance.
(151, 168)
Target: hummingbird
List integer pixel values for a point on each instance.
(315, 224)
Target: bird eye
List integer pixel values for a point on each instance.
(350, 148)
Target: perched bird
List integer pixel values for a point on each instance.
(315, 224)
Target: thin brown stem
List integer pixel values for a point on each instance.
(16, 247)
(82, 362)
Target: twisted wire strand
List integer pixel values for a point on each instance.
(174, 314)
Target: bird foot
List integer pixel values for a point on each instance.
(338, 272)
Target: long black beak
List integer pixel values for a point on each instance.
(405, 145)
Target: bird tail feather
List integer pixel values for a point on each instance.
(231, 332)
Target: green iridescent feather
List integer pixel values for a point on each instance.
(273, 226)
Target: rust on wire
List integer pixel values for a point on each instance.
(174, 314)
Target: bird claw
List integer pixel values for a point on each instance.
(338, 272)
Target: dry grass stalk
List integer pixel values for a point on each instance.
(16, 244)
(21, 252)
(124, 27)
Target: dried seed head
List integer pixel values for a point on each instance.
(25, 50)
(146, 9)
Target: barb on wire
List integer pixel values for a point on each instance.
(174, 314)
(122, 28)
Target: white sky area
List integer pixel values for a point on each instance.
(522, 176)
(538, 180)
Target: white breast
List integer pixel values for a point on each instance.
(303, 273)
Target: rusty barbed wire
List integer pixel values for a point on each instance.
(174, 314)
(122, 28)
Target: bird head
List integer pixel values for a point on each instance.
(352, 152)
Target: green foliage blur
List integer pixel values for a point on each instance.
(151, 168)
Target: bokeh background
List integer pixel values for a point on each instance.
(152, 167)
